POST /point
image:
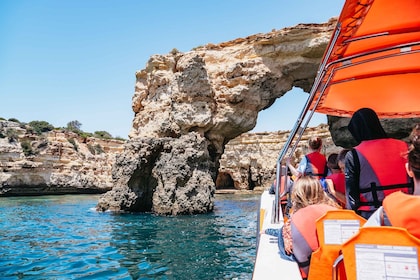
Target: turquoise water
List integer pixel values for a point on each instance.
(62, 237)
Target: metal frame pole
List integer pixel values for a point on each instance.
(317, 82)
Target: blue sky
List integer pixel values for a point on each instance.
(65, 60)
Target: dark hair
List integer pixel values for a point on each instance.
(414, 151)
(342, 155)
(315, 143)
(332, 161)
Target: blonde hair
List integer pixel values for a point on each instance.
(308, 191)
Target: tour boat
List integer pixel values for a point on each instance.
(372, 60)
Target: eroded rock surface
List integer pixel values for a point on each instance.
(168, 176)
(56, 162)
(215, 92)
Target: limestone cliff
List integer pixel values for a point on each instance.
(55, 162)
(249, 160)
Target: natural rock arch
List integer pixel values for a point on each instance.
(189, 105)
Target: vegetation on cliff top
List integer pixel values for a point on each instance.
(39, 127)
(31, 147)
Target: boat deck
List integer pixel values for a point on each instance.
(268, 263)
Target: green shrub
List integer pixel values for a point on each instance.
(41, 126)
(12, 135)
(13, 120)
(98, 149)
(74, 126)
(91, 149)
(27, 148)
(102, 134)
(73, 142)
(84, 134)
(95, 150)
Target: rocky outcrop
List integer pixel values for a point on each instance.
(166, 176)
(55, 162)
(212, 94)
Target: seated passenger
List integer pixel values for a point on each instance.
(375, 167)
(282, 189)
(312, 164)
(304, 235)
(336, 182)
(400, 209)
(305, 192)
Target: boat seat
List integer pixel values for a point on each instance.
(380, 253)
(333, 229)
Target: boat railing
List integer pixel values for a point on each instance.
(298, 129)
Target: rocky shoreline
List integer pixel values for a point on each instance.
(55, 162)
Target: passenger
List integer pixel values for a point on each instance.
(312, 164)
(289, 183)
(284, 191)
(400, 209)
(341, 159)
(306, 191)
(375, 167)
(336, 182)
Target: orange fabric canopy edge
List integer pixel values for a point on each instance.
(375, 61)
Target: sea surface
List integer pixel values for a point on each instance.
(63, 237)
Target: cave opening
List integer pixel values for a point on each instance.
(224, 181)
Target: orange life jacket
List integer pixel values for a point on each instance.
(382, 171)
(402, 210)
(304, 237)
(317, 165)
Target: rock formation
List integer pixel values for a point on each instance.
(55, 162)
(249, 161)
(148, 175)
(211, 95)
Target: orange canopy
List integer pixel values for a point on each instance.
(373, 60)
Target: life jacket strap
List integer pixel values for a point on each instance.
(373, 187)
(374, 190)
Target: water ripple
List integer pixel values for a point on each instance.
(60, 237)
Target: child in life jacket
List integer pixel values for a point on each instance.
(312, 164)
(335, 182)
(400, 209)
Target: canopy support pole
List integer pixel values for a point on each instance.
(297, 127)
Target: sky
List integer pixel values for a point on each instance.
(66, 60)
